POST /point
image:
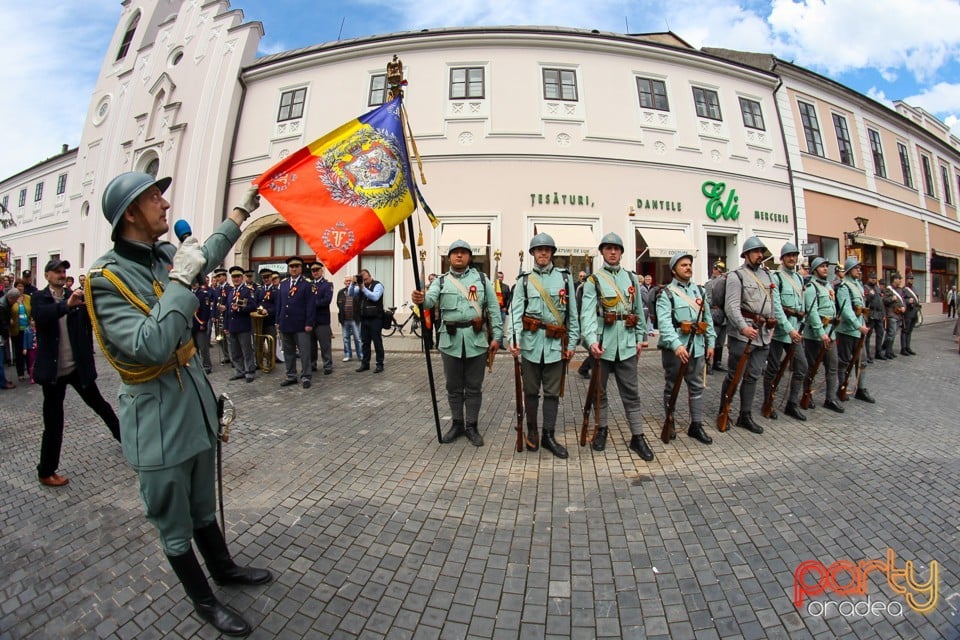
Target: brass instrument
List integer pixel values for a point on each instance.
(264, 344)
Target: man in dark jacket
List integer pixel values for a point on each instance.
(64, 356)
(322, 333)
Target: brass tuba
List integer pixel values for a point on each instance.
(264, 344)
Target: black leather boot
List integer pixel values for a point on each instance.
(746, 421)
(697, 433)
(639, 444)
(600, 440)
(454, 432)
(221, 566)
(794, 412)
(533, 438)
(833, 405)
(225, 619)
(550, 443)
(473, 435)
(864, 395)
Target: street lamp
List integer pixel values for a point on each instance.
(861, 224)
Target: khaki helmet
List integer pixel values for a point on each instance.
(542, 240)
(611, 238)
(123, 190)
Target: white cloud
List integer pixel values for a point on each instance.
(53, 53)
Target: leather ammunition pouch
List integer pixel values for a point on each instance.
(557, 331)
(689, 326)
(828, 320)
(793, 313)
(476, 323)
(759, 320)
(630, 320)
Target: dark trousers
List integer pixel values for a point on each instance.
(19, 357)
(846, 346)
(53, 395)
(322, 336)
(909, 324)
(370, 332)
(876, 337)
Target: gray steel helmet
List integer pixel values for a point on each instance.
(459, 244)
(753, 242)
(789, 248)
(850, 263)
(542, 240)
(122, 191)
(611, 238)
(676, 258)
(817, 262)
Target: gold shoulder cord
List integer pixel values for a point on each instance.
(130, 372)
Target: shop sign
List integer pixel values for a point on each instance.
(771, 216)
(557, 198)
(659, 205)
(716, 207)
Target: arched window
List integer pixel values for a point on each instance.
(128, 38)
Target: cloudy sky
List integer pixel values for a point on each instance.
(887, 49)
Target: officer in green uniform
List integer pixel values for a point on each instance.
(687, 335)
(470, 334)
(543, 318)
(613, 327)
(818, 332)
(853, 324)
(138, 296)
(789, 284)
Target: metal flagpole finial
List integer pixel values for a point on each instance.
(395, 80)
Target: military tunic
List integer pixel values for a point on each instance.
(169, 424)
(542, 356)
(684, 302)
(463, 349)
(296, 310)
(789, 285)
(819, 297)
(240, 303)
(615, 290)
(750, 289)
(850, 308)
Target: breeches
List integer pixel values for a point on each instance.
(180, 499)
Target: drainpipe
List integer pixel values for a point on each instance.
(783, 138)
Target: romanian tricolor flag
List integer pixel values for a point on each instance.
(345, 190)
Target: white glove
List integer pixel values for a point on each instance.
(188, 262)
(250, 201)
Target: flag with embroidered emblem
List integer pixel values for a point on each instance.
(347, 189)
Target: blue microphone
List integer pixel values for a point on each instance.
(182, 230)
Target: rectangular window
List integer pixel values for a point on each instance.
(752, 116)
(927, 176)
(843, 140)
(38, 192)
(829, 247)
(4, 203)
(811, 129)
(378, 90)
(888, 256)
(905, 165)
(466, 82)
(707, 103)
(61, 184)
(945, 178)
(560, 84)
(23, 197)
(291, 104)
(653, 94)
(917, 267)
(876, 148)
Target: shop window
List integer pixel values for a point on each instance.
(707, 102)
(843, 140)
(752, 115)
(928, 187)
(466, 83)
(876, 148)
(653, 94)
(560, 84)
(905, 165)
(811, 128)
(917, 263)
(829, 247)
(888, 257)
(291, 104)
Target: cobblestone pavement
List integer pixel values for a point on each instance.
(374, 530)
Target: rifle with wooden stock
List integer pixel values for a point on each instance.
(669, 431)
(807, 399)
(724, 416)
(594, 389)
(518, 384)
(854, 361)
